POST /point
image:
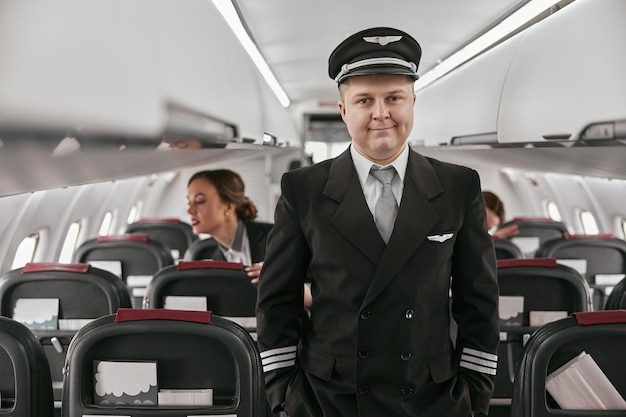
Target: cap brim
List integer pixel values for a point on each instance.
(380, 70)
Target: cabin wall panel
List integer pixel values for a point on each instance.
(524, 196)
(40, 213)
(549, 194)
(122, 197)
(572, 196)
(609, 203)
(172, 200)
(96, 199)
(44, 215)
(12, 209)
(150, 196)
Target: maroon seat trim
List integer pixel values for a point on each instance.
(600, 317)
(135, 237)
(541, 262)
(159, 220)
(533, 219)
(136, 314)
(185, 265)
(567, 236)
(48, 266)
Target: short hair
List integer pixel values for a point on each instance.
(230, 189)
(493, 203)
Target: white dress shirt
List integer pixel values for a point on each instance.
(370, 185)
(239, 250)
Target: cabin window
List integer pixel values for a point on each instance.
(553, 211)
(133, 214)
(107, 221)
(25, 251)
(588, 220)
(69, 244)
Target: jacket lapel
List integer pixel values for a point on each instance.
(414, 221)
(343, 187)
(255, 237)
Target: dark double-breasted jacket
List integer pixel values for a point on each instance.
(379, 340)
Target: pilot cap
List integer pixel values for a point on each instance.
(379, 50)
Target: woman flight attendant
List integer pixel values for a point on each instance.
(219, 207)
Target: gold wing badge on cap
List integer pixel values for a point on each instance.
(382, 40)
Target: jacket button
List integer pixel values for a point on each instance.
(363, 354)
(365, 314)
(405, 356)
(408, 314)
(406, 391)
(363, 389)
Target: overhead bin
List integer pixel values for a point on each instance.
(568, 73)
(561, 79)
(464, 103)
(83, 65)
(114, 68)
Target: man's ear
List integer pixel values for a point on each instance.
(342, 109)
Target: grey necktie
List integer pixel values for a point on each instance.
(386, 205)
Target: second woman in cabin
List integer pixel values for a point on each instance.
(218, 207)
(496, 217)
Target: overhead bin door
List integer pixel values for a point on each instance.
(568, 73)
(464, 103)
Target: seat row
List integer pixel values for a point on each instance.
(82, 293)
(147, 246)
(544, 285)
(601, 258)
(122, 364)
(177, 236)
(535, 293)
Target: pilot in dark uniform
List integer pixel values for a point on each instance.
(385, 290)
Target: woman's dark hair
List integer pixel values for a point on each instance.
(493, 203)
(230, 188)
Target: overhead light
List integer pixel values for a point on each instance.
(523, 15)
(229, 12)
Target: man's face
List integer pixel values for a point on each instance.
(378, 111)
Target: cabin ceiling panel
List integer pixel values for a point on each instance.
(296, 38)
